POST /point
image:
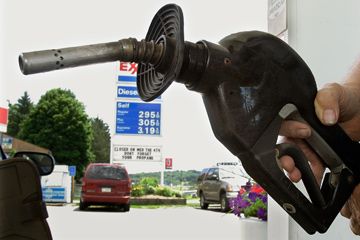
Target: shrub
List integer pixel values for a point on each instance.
(137, 191)
(149, 182)
(150, 190)
(166, 192)
(163, 191)
(149, 185)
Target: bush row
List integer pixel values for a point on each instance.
(149, 186)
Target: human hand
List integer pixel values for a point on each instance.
(351, 210)
(333, 104)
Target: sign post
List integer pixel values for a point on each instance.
(72, 173)
(168, 166)
(168, 163)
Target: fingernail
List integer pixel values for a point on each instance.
(303, 133)
(329, 117)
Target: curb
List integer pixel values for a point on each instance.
(158, 201)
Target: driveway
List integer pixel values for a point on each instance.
(185, 223)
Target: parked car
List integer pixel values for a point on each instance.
(105, 184)
(219, 184)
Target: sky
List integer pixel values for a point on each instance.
(45, 24)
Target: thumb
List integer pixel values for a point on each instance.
(327, 103)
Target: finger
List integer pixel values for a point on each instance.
(352, 210)
(316, 164)
(295, 129)
(287, 163)
(295, 175)
(345, 211)
(354, 225)
(327, 103)
(318, 170)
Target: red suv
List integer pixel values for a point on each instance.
(105, 184)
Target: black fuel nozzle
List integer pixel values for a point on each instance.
(250, 82)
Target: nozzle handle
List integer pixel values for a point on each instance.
(129, 50)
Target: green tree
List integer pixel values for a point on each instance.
(18, 112)
(101, 142)
(59, 123)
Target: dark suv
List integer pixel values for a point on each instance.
(219, 184)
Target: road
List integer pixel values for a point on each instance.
(68, 223)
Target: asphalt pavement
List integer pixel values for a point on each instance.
(68, 223)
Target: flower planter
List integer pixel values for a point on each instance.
(252, 228)
(157, 200)
(252, 203)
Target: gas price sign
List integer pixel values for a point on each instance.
(138, 118)
(136, 153)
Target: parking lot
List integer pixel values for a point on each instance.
(67, 223)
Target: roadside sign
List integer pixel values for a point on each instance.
(53, 194)
(7, 142)
(124, 91)
(127, 92)
(72, 171)
(138, 118)
(127, 72)
(136, 153)
(168, 163)
(4, 113)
